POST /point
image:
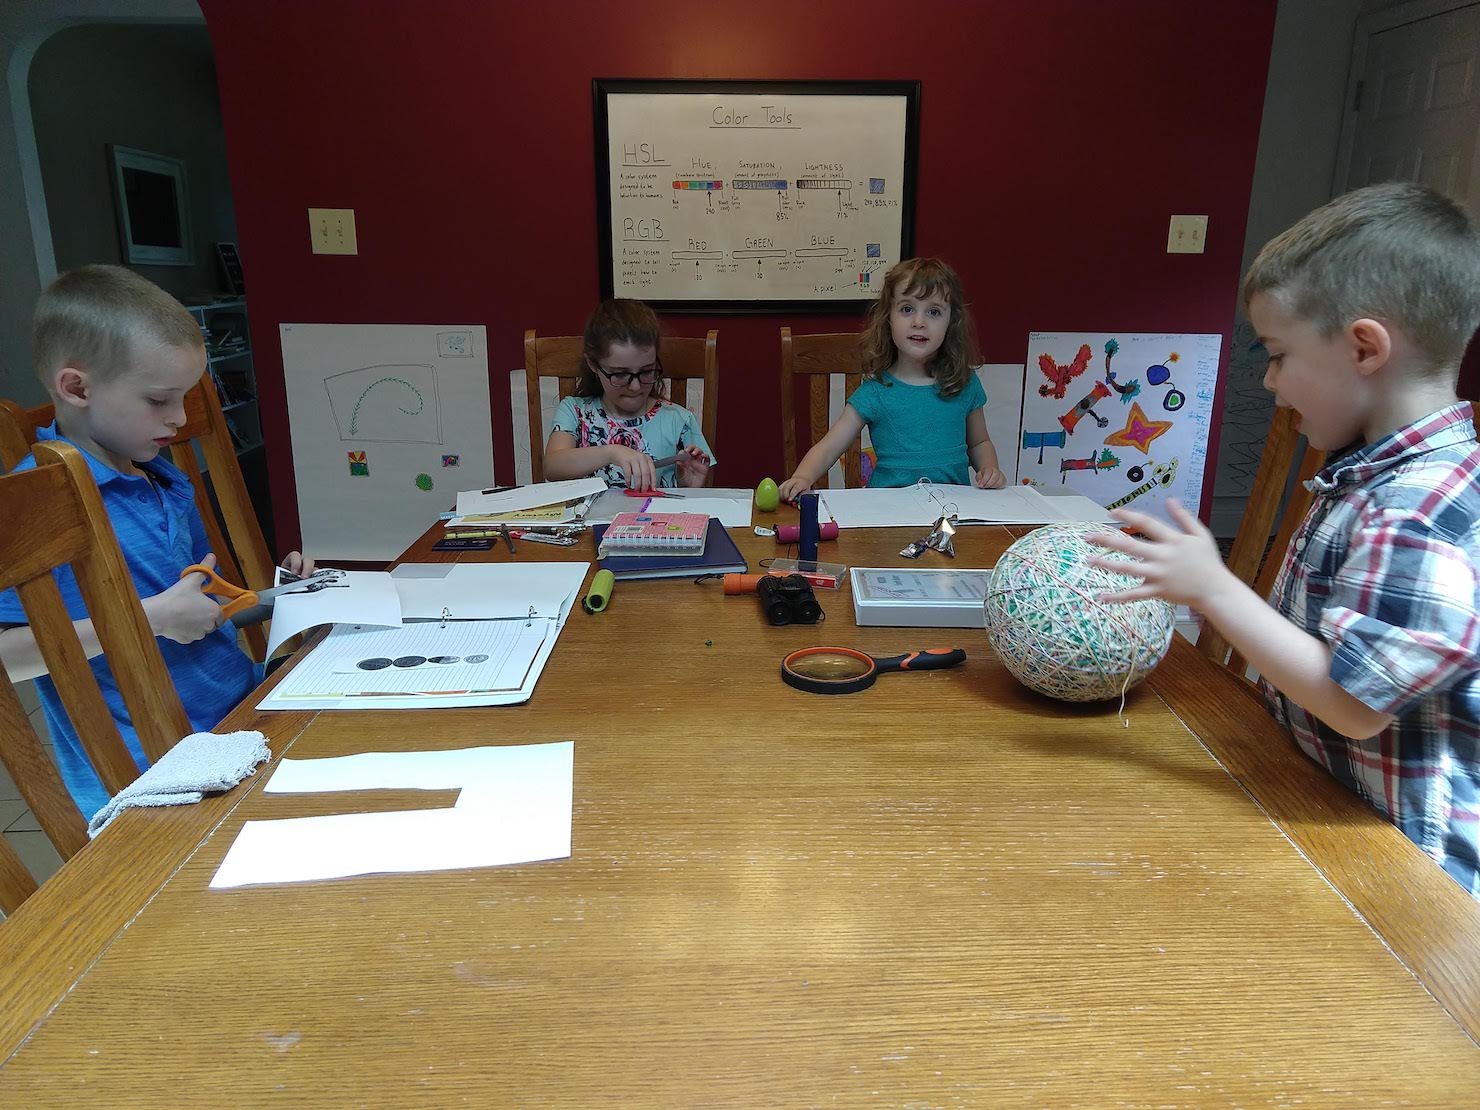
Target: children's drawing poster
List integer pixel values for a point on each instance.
(1122, 418)
(389, 421)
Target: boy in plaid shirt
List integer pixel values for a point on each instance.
(1369, 654)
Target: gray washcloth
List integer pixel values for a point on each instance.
(202, 763)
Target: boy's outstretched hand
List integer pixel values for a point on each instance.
(1179, 561)
(184, 612)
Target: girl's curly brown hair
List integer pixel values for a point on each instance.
(611, 322)
(922, 277)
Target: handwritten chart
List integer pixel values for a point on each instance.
(748, 197)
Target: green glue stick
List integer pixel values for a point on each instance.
(601, 592)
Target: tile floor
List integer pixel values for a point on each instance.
(16, 820)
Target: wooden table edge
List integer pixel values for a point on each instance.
(76, 916)
(1426, 919)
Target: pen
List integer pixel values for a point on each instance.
(499, 489)
(508, 539)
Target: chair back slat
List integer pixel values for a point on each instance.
(15, 442)
(818, 358)
(1253, 558)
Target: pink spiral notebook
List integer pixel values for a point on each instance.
(656, 534)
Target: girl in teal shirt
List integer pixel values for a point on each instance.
(920, 399)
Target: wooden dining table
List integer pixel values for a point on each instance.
(945, 890)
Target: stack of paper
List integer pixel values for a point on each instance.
(543, 503)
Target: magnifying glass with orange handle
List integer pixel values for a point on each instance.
(840, 670)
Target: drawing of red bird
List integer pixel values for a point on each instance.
(1058, 376)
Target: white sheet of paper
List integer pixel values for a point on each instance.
(1075, 506)
(730, 505)
(444, 769)
(515, 807)
(920, 506)
(368, 597)
(527, 497)
(482, 591)
(732, 514)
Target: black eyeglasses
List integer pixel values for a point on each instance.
(624, 378)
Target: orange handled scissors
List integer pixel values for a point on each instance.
(214, 584)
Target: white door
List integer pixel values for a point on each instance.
(1417, 107)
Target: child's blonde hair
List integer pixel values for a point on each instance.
(1397, 252)
(96, 318)
(611, 322)
(922, 277)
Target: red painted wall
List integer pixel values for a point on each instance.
(1057, 137)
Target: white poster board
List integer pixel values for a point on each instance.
(1121, 418)
(735, 195)
(389, 421)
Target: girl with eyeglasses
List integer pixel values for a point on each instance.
(618, 424)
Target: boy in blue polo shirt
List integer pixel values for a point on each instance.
(1370, 653)
(117, 354)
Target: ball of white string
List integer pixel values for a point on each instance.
(1050, 629)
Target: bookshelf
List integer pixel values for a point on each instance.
(223, 324)
(229, 359)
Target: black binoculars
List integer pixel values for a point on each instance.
(788, 599)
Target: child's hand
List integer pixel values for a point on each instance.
(990, 478)
(693, 468)
(792, 488)
(639, 469)
(183, 612)
(297, 564)
(1179, 563)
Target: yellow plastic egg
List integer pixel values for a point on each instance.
(766, 496)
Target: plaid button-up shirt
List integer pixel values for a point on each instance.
(1385, 570)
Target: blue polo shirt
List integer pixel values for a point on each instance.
(161, 533)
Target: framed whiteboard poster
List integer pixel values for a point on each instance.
(754, 196)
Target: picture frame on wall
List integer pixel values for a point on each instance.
(151, 196)
(754, 196)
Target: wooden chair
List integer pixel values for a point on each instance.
(245, 559)
(61, 492)
(684, 360)
(1248, 557)
(18, 431)
(818, 357)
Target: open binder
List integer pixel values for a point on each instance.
(471, 634)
